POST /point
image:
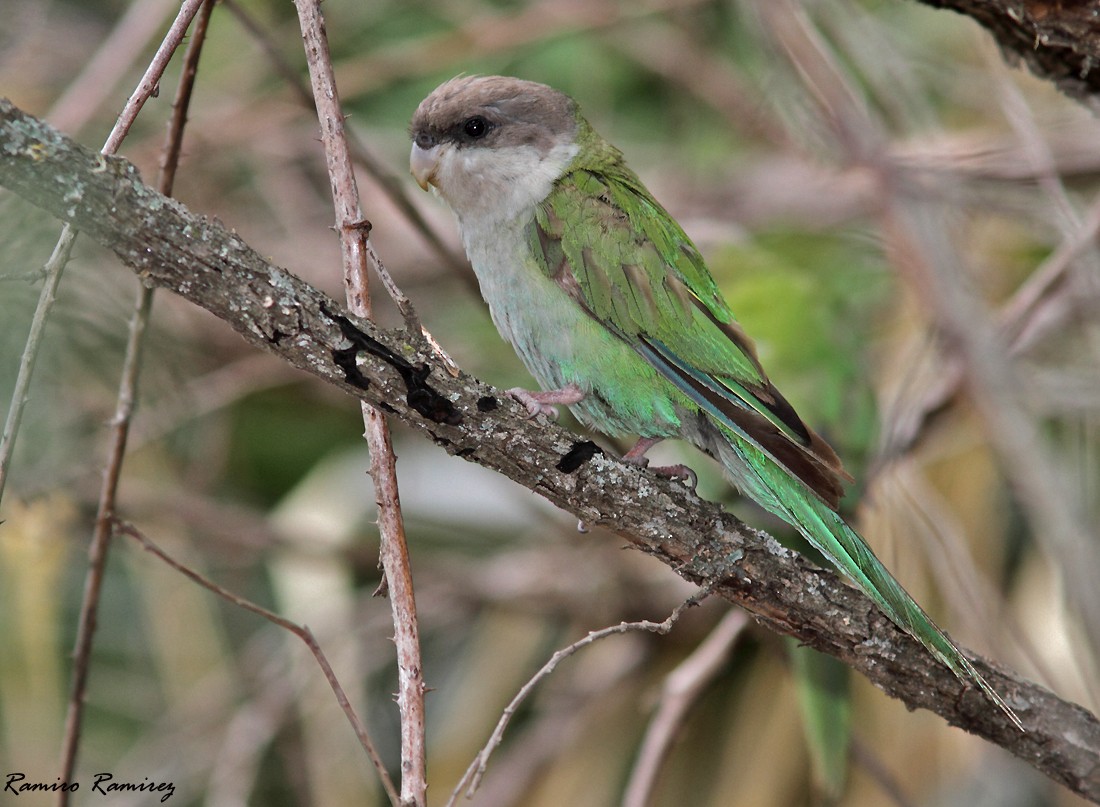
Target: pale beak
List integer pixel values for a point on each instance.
(423, 163)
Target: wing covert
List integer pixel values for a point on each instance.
(626, 262)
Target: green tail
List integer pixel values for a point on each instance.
(770, 485)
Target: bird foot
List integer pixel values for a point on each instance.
(636, 456)
(542, 403)
(677, 471)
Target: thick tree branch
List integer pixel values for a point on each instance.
(1058, 39)
(170, 247)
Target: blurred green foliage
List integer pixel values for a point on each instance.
(272, 446)
(811, 301)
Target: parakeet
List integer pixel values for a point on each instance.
(613, 311)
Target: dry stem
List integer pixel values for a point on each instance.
(301, 631)
(357, 253)
(682, 688)
(124, 408)
(474, 773)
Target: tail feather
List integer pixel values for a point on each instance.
(769, 484)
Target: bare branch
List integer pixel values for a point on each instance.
(301, 631)
(681, 690)
(385, 178)
(100, 544)
(472, 778)
(357, 253)
(169, 246)
(129, 41)
(1058, 41)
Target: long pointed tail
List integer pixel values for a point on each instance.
(759, 477)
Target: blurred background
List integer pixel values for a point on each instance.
(881, 200)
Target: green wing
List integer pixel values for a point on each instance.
(627, 263)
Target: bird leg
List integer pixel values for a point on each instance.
(542, 403)
(636, 456)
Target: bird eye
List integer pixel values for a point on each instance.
(476, 127)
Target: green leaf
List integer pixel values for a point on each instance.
(824, 699)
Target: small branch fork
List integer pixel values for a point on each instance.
(474, 773)
(301, 631)
(127, 394)
(358, 254)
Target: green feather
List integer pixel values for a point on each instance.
(617, 254)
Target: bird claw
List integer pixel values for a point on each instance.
(534, 406)
(678, 472)
(636, 456)
(542, 403)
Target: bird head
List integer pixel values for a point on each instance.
(492, 145)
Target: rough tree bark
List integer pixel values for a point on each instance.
(170, 247)
(1059, 40)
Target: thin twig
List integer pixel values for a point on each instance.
(301, 631)
(97, 552)
(1037, 307)
(1033, 308)
(385, 178)
(400, 299)
(150, 81)
(839, 103)
(136, 20)
(874, 767)
(474, 773)
(357, 252)
(113, 60)
(19, 396)
(681, 690)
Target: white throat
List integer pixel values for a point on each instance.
(493, 193)
(489, 187)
